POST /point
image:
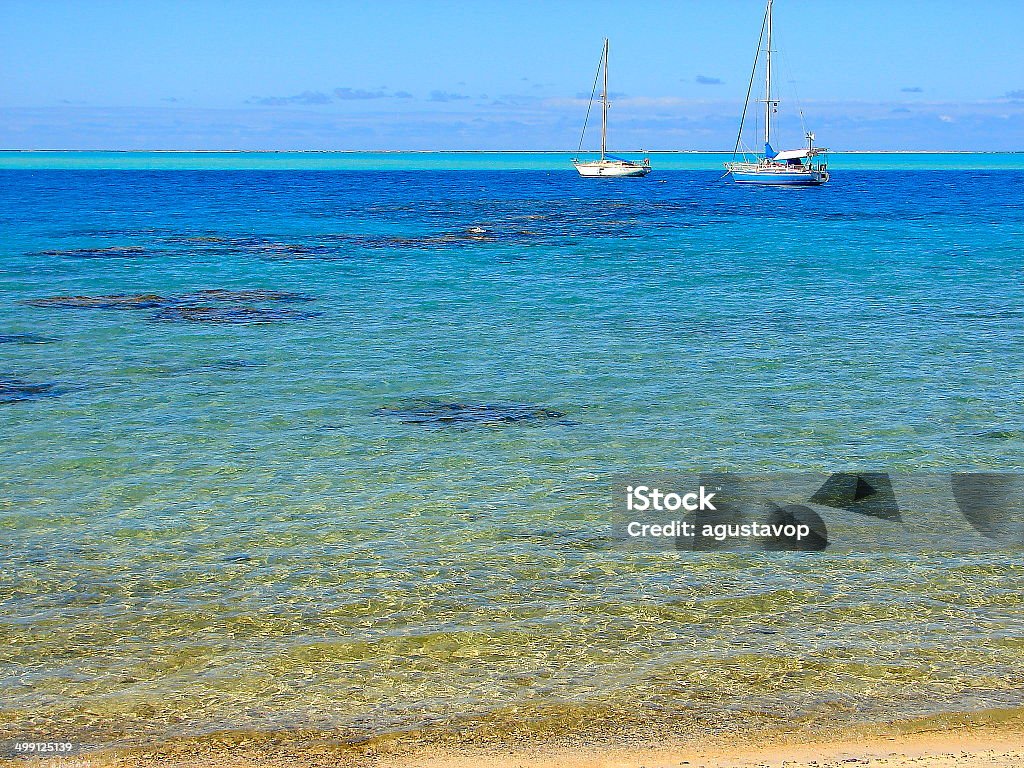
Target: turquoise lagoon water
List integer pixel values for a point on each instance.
(213, 523)
(475, 161)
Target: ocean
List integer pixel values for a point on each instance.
(335, 456)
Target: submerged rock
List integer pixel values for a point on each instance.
(18, 391)
(430, 411)
(229, 315)
(24, 338)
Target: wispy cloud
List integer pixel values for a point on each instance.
(912, 89)
(705, 80)
(319, 98)
(611, 95)
(655, 122)
(306, 97)
(1016, 95)
(359, 94)
(521, 100)
(443, 96)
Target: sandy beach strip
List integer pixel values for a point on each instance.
(927, 750)
(981, 740)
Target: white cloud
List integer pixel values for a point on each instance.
(654, 122)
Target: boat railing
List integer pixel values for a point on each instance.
(767, 166)
(617, 159)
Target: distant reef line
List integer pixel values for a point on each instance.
(489, 151)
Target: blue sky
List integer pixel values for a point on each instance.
(870, 74)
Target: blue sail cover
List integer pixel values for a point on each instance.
(620, 159)
(768, 151)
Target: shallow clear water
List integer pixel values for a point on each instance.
(214, 525)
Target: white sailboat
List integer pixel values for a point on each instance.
(608, 165)
(795, 167)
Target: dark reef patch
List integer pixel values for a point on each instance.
(110, 301)
(1002, 434)
(437, 412)
(211, 305)
(463, 236)
(229, 315)
(18, 391)
(339, 246)
(474, 235)
(231, 365)
(185, 306)
(240, 296)
(24, 338)
(258, 246)
(556, 225)
(272, 250)
(112, 252)
(997, 314)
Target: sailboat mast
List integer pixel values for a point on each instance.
(604, 104)
(768, 80)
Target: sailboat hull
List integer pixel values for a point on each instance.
(775, 179)
(776, 174)
(612, 169)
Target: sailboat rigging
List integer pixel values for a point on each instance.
(795, 167)
(608, 165)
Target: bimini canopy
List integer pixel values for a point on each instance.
(797, 154)
(792, 154)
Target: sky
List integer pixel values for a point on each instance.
(494, 75)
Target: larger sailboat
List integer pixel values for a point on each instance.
(795, 167)
(608, 165)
